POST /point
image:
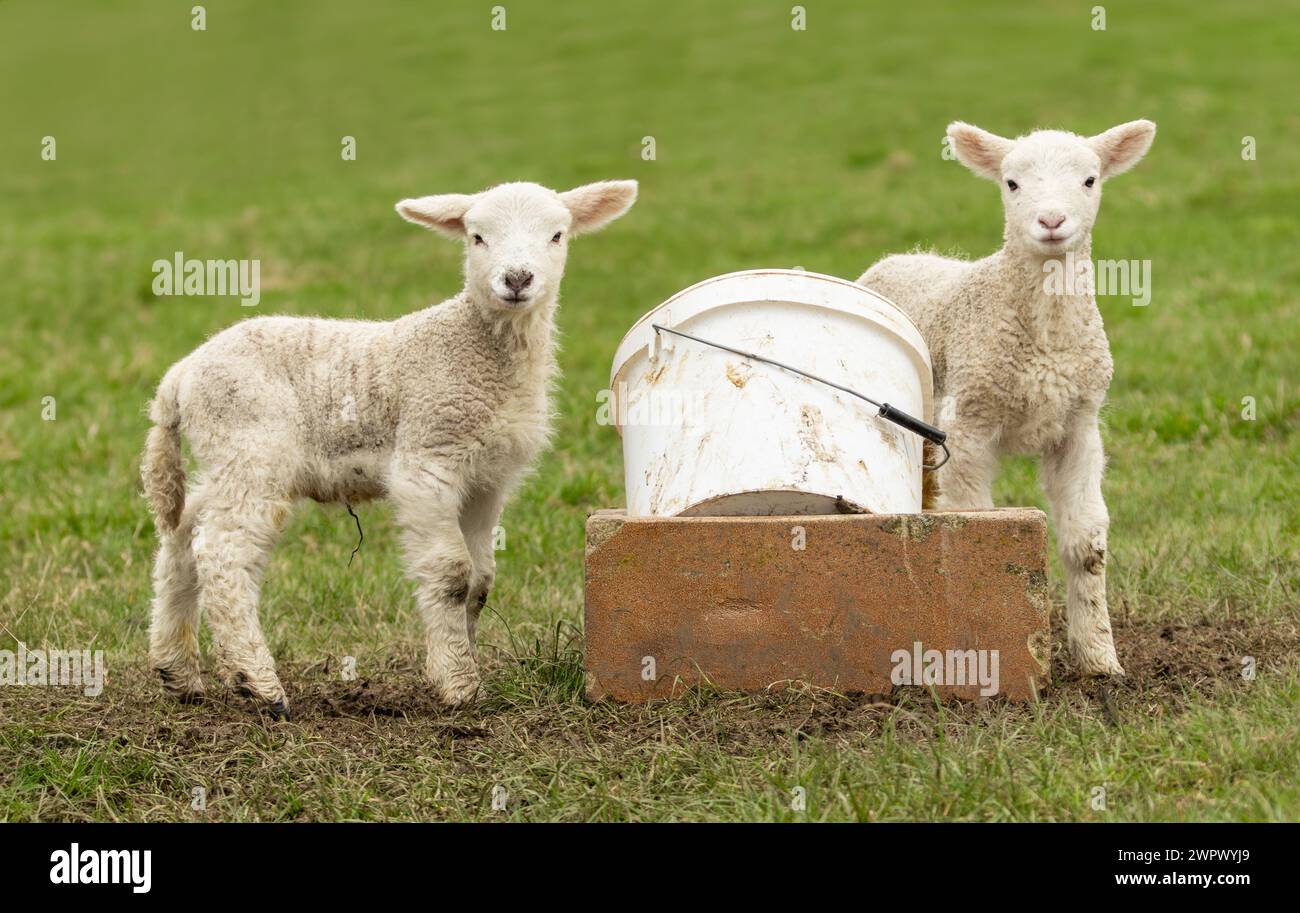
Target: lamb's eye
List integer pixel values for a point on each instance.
(1089, 182)
(478, 239)
(1013, 185)
(556, 238)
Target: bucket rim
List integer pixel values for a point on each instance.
(641, 335)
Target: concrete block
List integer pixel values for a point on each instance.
(858, 603)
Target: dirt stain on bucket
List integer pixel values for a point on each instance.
(812, 434)
(738, 375)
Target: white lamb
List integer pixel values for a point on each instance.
(1021, 361)
(441, 411)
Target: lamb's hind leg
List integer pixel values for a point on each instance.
(174, 628)
(233, 536)
(428, 503)
(1072, 477)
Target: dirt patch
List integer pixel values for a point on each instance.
(1194, 655)
(401, 698)
(388, 729)
(1167, 665)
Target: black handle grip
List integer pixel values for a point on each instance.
(913, 424)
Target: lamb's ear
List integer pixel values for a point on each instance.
(444, 213)
(1122, 147)
(980, 151)
(596, 205)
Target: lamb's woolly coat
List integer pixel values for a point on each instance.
(1025, 363)
(441, 411)
(318, 408)
(1019, 365)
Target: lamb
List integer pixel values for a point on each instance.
(441, 411)
(1022, 364)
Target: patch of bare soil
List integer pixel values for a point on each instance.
(1168, 664)
(392, 713)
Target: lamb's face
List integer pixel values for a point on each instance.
(516, 244)
(517, 235)
(1051, 190)
(1051, 180)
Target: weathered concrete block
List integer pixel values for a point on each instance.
(846, 602)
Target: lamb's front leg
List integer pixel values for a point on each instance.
(428, 502)
(1072, 476)
(479, 518)
(966, 480)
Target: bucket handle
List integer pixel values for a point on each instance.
(887, 412)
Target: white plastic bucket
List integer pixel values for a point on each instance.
(708, 433)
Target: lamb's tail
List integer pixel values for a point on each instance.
(163, 469)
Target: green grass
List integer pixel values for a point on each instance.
(774, 147)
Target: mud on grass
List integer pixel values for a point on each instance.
(381, 747)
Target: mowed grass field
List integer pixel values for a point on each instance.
(773, 147)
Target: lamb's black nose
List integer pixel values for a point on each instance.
(518, 279)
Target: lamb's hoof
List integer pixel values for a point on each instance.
(459, 698)
(186, 686)
(457, 691)
(1105, 665)
(277, 707)
(269, 696)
